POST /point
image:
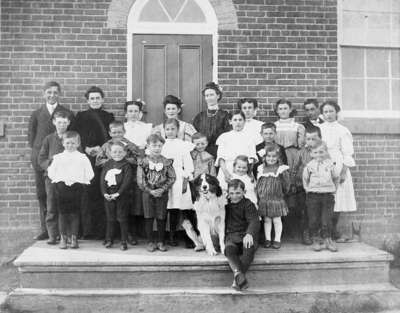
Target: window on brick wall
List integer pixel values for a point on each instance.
(369, 44)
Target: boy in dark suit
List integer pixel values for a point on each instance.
(52, 144)
(41, 125)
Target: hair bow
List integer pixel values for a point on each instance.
(261, 152)
(140, 100)
(155, 166)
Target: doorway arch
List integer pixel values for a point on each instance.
(178, 22)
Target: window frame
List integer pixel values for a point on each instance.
(361, 114)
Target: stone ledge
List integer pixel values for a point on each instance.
(372, 125)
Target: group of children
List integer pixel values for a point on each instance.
(278, 167)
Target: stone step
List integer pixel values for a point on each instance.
(293, 266)
(334, 299)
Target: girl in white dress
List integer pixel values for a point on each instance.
(340, 148)
(172, 108)
(242, 171)
(136, 131)
(249, 107)
(231, 144)
(179, 198)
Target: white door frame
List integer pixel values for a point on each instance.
(136, 27)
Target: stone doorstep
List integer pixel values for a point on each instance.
(43, 266)
(330, 299)
(92, 253)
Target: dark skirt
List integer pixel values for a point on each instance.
(155, 207)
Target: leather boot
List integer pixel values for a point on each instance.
(74, 242)
(63, 242)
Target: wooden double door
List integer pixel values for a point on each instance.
(171, 64)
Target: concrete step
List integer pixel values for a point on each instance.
(293, 266)
(332, 299)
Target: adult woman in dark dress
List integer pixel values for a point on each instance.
(213, 121)
(92, 125)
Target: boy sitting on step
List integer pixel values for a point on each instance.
(242, 226)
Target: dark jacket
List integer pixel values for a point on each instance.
(52, 144)
(40, 125)
(240, 219)
(123, 179)
(307, 124)
(93, 126)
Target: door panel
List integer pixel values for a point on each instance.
(189, 82)
(153, 73)
(171, 64)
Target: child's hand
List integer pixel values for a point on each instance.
(157, 192)
(114, 196)
(184, 185)
(96, 150)
(227, 175)
(107, 197)
(248, 241)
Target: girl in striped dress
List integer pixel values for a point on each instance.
(289, 133)
(272, 185)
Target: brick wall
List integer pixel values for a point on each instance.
(281, 48)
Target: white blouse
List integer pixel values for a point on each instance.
(138, 132)
(234, 143)
(70, 168)
(253, 127)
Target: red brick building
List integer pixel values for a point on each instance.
(344, 50)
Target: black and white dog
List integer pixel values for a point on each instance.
(209, 205)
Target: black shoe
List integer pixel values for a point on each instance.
(132, 240)
(51, 241)
(276, 245)
(267, 244)
(172, 240)
(108, 244)
(240, 280)
(41, 236)
(124, 246)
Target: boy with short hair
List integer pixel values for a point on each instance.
(52, 144)
(311, 106)
(117, 132)
(249, 107)
(268, 134)
(320, 183)
(203, 161)
(69, 171)
(313, 136)
(115, 184)
(41, 125)
(242, 226)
